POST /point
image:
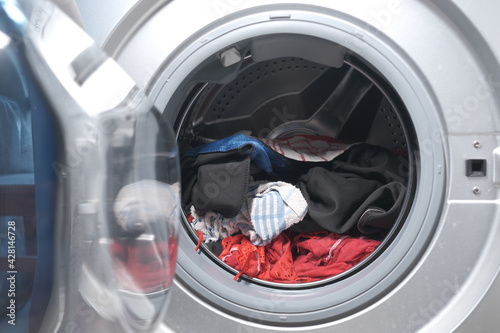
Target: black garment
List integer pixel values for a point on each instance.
(216, 167)
(221, 187)
(191, 164)
(381, 208)
(372, 162)
(364, 187)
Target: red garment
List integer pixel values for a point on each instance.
(144, 266)
(323, 255)
(309, 257)
(279, 261)
(239, 253)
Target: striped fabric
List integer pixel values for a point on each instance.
(274, 207)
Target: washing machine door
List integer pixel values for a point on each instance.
(89, 183)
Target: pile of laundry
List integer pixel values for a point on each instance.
(294, 209)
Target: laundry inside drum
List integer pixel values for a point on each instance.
(295, 173)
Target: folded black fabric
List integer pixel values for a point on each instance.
(221, 187)
(190, 165)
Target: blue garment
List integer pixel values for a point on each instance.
(261, 155)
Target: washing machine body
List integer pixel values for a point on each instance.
(438, 65)
(418, 78)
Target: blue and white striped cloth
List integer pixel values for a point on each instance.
(269, 209)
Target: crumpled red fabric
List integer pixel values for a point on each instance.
(305, 258)
(324, 255)
(144, 266)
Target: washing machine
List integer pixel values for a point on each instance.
(420, 79)
(425, 80)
